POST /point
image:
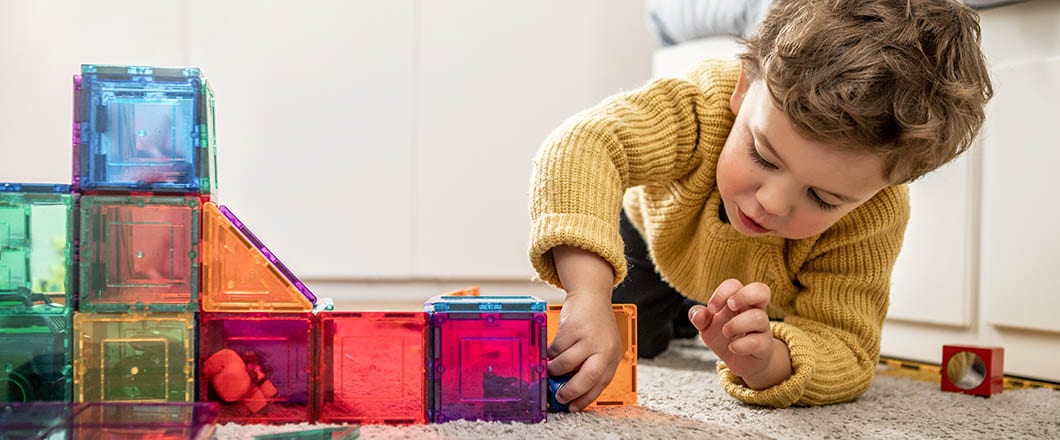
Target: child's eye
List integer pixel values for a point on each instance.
(820, 202)
(758, 159)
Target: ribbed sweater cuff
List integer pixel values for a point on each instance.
(578, 230)
(788, 392)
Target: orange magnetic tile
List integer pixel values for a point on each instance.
(468, 291)
(623, 388)
(237, 277)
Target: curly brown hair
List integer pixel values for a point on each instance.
(905, 79)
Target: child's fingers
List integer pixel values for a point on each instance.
(721, 317)
(746, 322)
(586, 385)
(563, 341)
(754, 295)
(721, 295)
(566, 361)
(581, 402)
(751, 344)
(711, 334)
(699, 317)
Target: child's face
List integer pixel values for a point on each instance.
(775, 182)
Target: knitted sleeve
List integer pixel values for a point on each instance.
(833, 333)
(582, 170)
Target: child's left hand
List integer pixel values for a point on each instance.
(735, 325)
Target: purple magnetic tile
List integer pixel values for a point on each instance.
(111, 420)
(279, 347)
(488, 366)
(173, 420)
(33, 420)
(268, 254)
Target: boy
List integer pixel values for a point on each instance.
(772, 190)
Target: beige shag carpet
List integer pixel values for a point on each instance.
(680, 398)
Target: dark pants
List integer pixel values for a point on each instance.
(662, 313)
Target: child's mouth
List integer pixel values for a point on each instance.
(751, 224)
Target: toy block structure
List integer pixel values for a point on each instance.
(975, 370)
(134, 357)
(143, 129)
(35, 356)
(37, 248)
(132, 292)
(623, 388)
(488, 359)
(240, 274)
(108, 420)
(139, 253)
(372, 367)
(256, 366)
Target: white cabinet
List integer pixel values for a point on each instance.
(1021, 204)
(934, 277)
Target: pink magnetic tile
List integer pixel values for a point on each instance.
(373, 367)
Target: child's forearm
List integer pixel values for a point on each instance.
(581, 271)
(779, 368)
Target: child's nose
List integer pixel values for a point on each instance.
(775, 199)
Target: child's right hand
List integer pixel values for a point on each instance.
(587, 340)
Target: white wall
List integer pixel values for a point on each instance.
(364, 142)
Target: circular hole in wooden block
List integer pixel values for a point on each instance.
(966, 370)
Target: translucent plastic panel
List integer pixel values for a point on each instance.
(37, 235)
(14, 278)
(471, 302)
(144, 128)
(37, 420)
(623, 388)
(240, 274)
(34, 358)
(109, 420)
(139, 253)
(372, 367)
(256, 366)
(161, 421)
(488, 366)
(134, 357)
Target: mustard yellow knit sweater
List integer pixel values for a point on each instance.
(654, 151)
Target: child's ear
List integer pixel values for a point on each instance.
(736, 100)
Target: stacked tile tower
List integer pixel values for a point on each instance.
(143, 167)
(132, 284)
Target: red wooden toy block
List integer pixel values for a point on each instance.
(973, 370)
